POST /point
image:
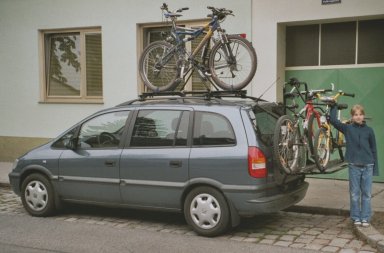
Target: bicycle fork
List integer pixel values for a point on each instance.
(228, 54)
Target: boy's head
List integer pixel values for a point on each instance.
(358, 114)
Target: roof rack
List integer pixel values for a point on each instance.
(206, 95)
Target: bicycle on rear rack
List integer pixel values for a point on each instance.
(327, 140)
(311, 112)
(230, 64)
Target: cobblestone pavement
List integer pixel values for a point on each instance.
(323, 233)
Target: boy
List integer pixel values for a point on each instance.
(361, 155)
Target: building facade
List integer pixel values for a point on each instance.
(61, 61)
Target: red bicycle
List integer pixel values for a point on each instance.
(311, 111)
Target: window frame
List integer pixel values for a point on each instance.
(82, 98)
(356, 63)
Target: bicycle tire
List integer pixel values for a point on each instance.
(340, 144)
(322, 148)
(312, 128)
(222, 73)
(158, 77)
(286, 151)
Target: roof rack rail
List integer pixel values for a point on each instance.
(206, 94)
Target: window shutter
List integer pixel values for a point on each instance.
(94, 73)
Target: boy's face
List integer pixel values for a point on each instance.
(358, 117)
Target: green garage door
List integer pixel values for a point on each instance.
(368, 85)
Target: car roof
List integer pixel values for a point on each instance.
(221, 98)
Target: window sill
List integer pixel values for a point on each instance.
(71, 101)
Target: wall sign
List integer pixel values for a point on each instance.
(330, 1)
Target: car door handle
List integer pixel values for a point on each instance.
(175, 164)
(110, 163)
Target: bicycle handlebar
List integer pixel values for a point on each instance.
(348, 94)
(221, 13)
(333, 99)
(164, 7)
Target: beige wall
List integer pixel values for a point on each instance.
(13, 147)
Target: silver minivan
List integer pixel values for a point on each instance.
(209, 157)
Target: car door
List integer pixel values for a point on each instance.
(90, 171)
(154, 167)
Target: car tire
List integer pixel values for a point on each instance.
(37, 195)
(206, 211)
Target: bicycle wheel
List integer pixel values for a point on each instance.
(340, 141)
(158, 68)
(322, 148)
(236, 73)
(288, 151)
(313, 126)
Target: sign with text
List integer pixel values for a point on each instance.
(330, 1)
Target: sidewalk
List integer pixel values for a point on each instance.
(324, 196)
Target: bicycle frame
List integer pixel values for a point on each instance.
(178, 31)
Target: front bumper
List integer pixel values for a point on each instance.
(14, 180)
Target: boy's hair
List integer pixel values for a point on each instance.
(357, 108)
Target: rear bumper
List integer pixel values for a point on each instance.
(270, 204)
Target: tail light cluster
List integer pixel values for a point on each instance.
(257, 166)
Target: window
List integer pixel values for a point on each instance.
(104, 131)
(371, 41)
(212, 129)
(155, 128)
(344, 43)
(338, 43)
(302, 45)
(72, 64)
(65, 139)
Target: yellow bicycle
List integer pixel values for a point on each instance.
(230, 63)
(327, 138)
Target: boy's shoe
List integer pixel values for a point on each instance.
(365, 223)
(357, 223)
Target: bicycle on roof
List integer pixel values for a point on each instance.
(226, 61)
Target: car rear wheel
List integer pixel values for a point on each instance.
(206, 211)
(37, 195)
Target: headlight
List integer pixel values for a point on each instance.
(15, 164)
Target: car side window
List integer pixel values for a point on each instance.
(212, 129)
(160, 128)
(103, 131)
(65, 139)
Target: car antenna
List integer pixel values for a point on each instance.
(269, 87)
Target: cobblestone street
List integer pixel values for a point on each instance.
(323, 233)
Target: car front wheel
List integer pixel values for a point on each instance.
(206, 211)
(37, 195)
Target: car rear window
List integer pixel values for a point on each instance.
(264, 123)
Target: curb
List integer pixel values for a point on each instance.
(372, 236)
(369, 234)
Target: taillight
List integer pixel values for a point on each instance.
(256, 163)
(243, 35)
